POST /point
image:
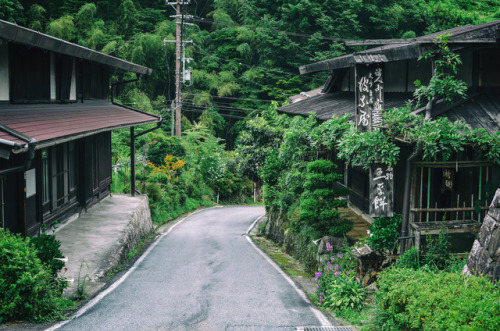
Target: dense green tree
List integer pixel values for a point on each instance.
(12, 11)
(37, 18)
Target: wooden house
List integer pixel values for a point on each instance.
(426, 193)
(55, 127)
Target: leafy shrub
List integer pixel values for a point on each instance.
(337, 288)
(437, 250)
(384, 232)
(345, 292)
(427, 300)
(47, 247)
(154, 192)
(318, 208)
(162, 145)
(27, 289)
(409, 259)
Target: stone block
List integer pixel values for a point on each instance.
(336, 243)
(494, 213)
(489, 224)
(494, 243)
(483, 262)
(495, 270)
(474, 255)
(495, 203)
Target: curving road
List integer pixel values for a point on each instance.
(203, 275)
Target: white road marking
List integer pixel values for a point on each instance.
(110, 289)
(319, 315)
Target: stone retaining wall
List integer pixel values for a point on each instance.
(140, 226)
(484, 258)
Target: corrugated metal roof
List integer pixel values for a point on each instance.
(412, 50)
(481, 112)
(338, 104)
(48, 123)
(22, 35)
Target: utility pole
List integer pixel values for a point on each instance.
(177, 104)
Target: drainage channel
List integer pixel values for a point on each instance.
(324, 328)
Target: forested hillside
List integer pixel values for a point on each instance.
(246, 55)
(246, 52)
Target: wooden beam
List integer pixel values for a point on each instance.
(452, 164)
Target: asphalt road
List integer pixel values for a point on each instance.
(203, 275)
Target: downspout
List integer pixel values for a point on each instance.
(132, 138)
(113, 87)
(132, 133)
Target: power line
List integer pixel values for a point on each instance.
(230, 98)
(288, 33)
(251, 81)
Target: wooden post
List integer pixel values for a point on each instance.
(132, 161)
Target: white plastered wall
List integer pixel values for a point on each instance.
(72, 91)
(4, 71)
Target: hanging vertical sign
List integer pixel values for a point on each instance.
(381, 191)
(369, 96)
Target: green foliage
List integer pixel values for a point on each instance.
(37, 17)
(28, 291)
(384, 232)
(424, 300)
(366, 148)
(48, 251)
(443, 83)
(437, 250)
(337, 289)
(410, 259)
(345, 292)
(11, 11)
(62, 28)
(318, 208)
(159, 145)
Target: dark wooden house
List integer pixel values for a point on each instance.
(426, 192)
(55, 127)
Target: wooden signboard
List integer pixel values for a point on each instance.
(448, 179)
(369, 96)
(381, 191)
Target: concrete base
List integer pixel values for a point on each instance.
(100, 239)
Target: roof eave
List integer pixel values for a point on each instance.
(21, 35)
(413, 50)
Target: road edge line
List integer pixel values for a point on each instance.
(120, 280)
(319, 315)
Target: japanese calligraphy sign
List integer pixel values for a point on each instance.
(381, 191)
(448, 179)
(369, 97)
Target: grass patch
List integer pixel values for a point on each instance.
(287, 263)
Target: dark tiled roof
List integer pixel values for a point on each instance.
(404, 51)
(338, 103)
(48, 123)
(479, 112)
